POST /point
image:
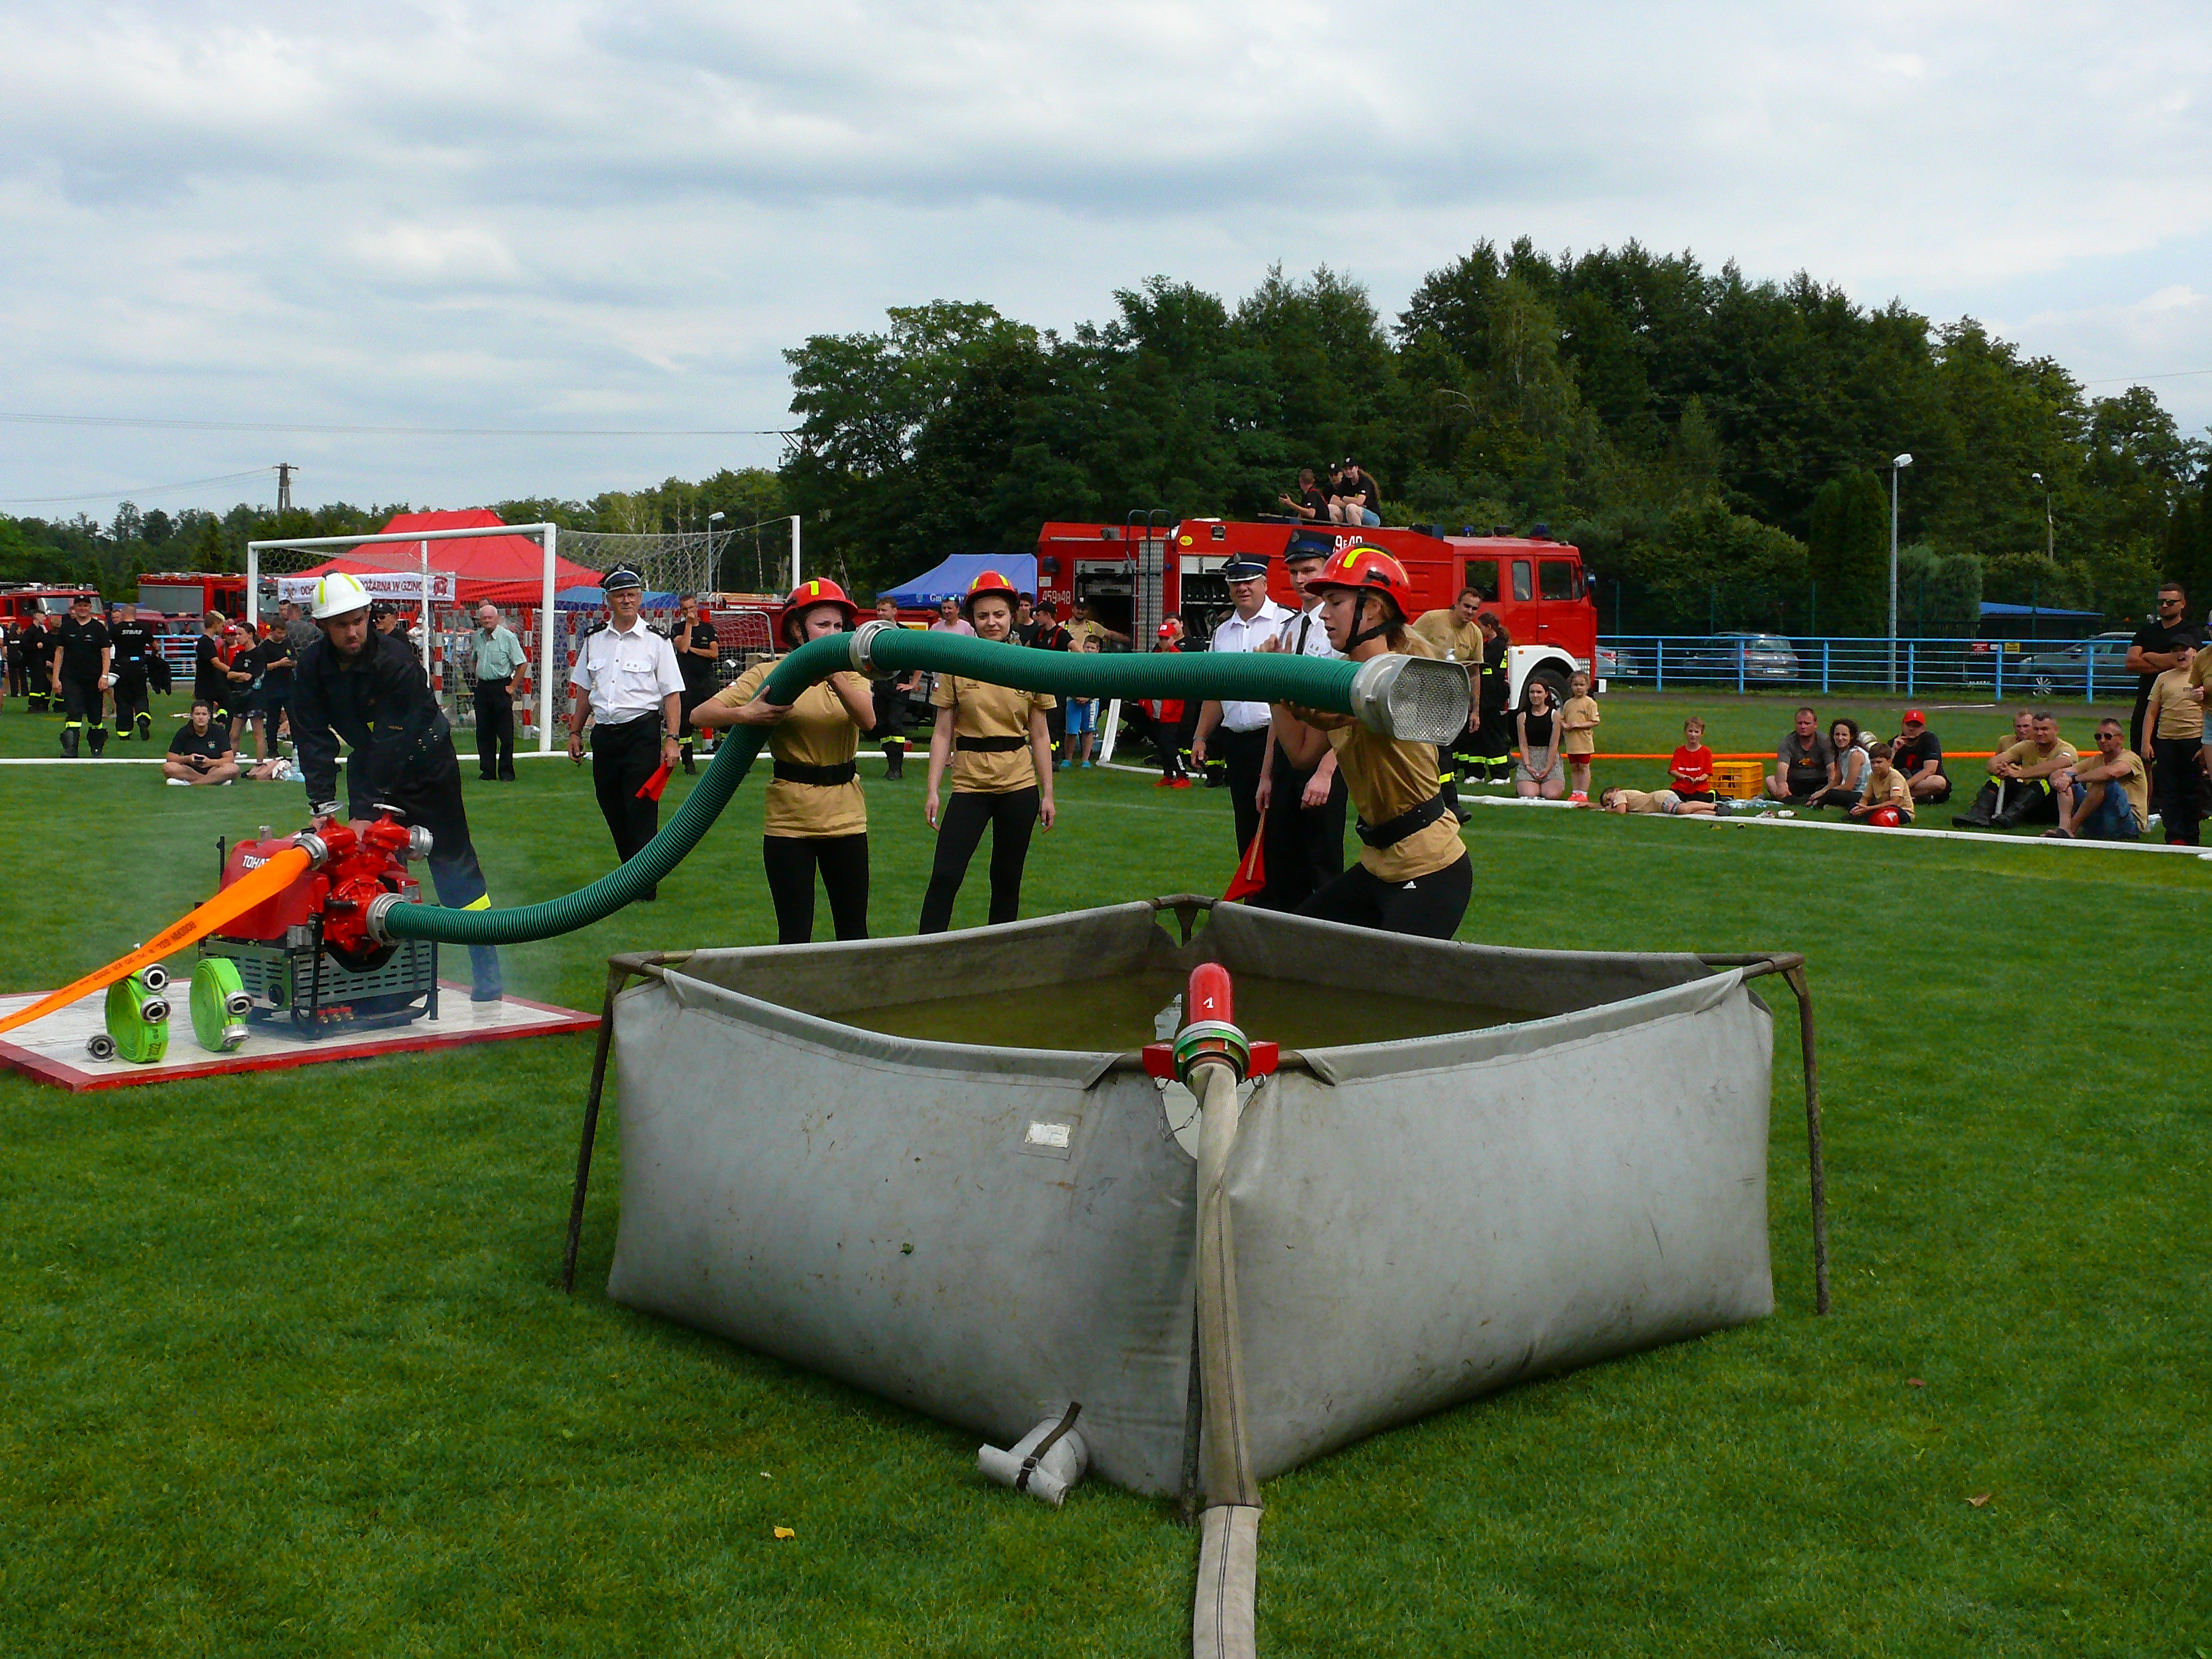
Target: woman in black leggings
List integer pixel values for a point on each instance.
(816, 816)
(1414, 876)
(1000, 747)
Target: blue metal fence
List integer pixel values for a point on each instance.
(2086, 669)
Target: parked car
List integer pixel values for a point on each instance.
(1765, 657)
(1614, 664)
(2057, 671)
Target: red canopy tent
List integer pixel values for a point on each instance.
(505, 570)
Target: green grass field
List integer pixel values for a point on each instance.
(287, 1369)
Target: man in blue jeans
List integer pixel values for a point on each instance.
(2107, 800)
(1358, 497)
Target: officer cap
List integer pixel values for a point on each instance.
(620, 577)
(1243, 567)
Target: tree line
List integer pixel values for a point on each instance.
(1718, 447)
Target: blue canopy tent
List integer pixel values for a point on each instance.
(1991, 607)
(951, 579)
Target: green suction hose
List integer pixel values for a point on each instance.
(1411, 697)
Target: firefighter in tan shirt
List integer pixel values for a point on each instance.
(1452, 633)
(1414, 876)
(2033, 764)
(815, 818)
(998, 746)
(2175, 719)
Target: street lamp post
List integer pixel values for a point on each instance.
(714, 572)
(1896, 468)
(2050, 529)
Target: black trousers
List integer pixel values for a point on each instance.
(1010, 819)
(1242, 752)
(19, 680)
(1492, 743)
(430, 795)
(495, 729)
(891, 714)
(791, 862)
(1429, 906)
(85, 708)
(2175, 778)
(622, 757)
(1305, 845)
(131, 703)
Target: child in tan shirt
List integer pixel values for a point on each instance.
(1578, 719)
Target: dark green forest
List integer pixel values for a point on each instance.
(1720, 448)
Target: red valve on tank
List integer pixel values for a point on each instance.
(1209, 996)
(363, 866)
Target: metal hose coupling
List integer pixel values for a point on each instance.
(379, 908)
(864, 641)
(1211, 1042)
(1419, 699)
(317, 849)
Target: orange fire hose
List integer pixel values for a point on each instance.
(232, 902)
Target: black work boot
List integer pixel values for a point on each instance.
(894, 762)
(145, 727)
(689, 765)
(1981, 813)
(99, 741)
(69, 741)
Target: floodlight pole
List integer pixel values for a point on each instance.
(794, 552)
(426, 611)
(1896, 470)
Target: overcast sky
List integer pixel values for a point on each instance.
(563, 215)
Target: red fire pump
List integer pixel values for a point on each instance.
(307, 952)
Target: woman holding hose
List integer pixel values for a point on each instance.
(1413, 877)
(816, 816)
(998, 746)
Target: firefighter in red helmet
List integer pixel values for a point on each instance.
(1414, 876)
(815, 819)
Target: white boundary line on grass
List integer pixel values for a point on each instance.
(1874, 829)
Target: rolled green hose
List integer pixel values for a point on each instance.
(1238, 677)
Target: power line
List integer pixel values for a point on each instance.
(133, 494)
(157, 424)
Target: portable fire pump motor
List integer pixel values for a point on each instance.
(313, 950)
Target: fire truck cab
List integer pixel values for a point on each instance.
(1134, 575)
(41, 599)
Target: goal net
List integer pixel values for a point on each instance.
(426, 585)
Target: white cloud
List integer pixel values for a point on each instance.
(497, 215)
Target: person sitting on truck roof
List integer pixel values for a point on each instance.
(1358, 497)
(1311, 504)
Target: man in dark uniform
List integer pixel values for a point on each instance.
(697, 653)
(366, 689)
(890, 694)
(39, 661)
(135, 651)
(211, 676)
(81, 675)
(626, 683)
(1305, 809)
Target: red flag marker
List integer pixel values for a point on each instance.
(1251, 875)
(651, 788)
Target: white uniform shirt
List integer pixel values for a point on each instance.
(1303, 635)
(627, 674)
(1233, 633)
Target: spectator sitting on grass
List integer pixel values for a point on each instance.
(1689, 774)
(2109, 798)
(1888, 798)
(200, 752)
(1915, 752)
(1800, 765)
(1847, 771)
(1666, 801)
(2026, 771)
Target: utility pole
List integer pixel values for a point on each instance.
(284, 471)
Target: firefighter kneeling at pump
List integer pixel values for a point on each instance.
(367, 688)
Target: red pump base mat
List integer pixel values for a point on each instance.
(52, 1050)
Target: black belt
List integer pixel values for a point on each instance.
(1389, 834)
(824, 777)
(500, 684)
(989, 745)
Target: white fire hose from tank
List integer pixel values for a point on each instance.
(1229, 1545)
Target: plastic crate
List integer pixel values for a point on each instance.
(1738, 780)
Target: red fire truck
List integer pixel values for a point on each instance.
(1132, 575)
(41, 599)
(194, 593)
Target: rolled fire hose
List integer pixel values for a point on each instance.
(1411, 697)
(1211, 1058)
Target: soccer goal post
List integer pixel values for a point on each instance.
(401, 568)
